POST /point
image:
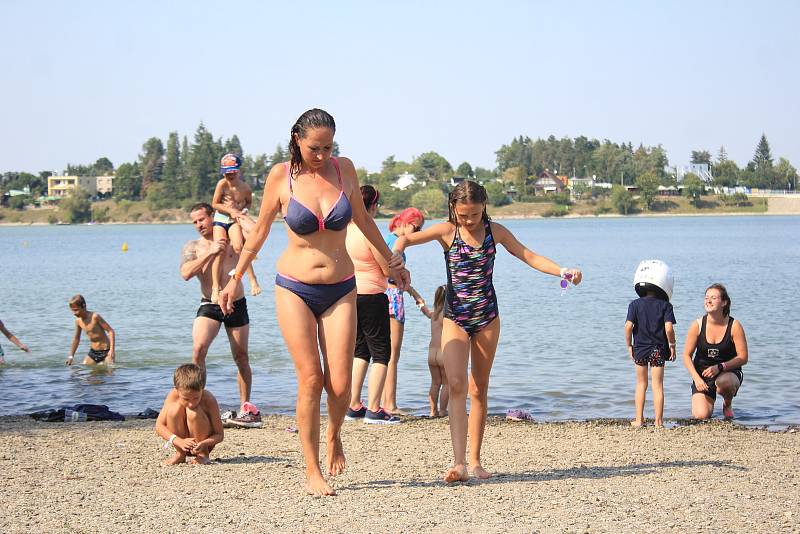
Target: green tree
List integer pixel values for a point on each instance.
(151, 162)
(785, 175)
(647, 184)
(127, 182)
(622, 199)
(75, 208)
(483, 175)
(726, 173)
(722, 155)
(497, 194)
(103, 167)
(170, 173)
(203, 165)
(465, 170)
(701, 156)
(431, 201)
(693, 188)
(335, 150)
(233, 146)
(18, 202)
(433, 167)
(158, 197)
(184, 187)
(279, 156)
(762, 159)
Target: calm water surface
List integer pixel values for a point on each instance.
(561, 356)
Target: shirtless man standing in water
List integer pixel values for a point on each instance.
(196, 261)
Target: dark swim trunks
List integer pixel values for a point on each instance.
(99, 356)
(655, 359)
(712, 384)
(236, 319)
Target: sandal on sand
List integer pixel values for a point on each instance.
(518, 415)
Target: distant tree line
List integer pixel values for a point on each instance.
(181, 171)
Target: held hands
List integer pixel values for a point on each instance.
(398, 271)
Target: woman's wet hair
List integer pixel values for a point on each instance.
(370, 195)
(723, 294)
(313, 118)
(468, 192)
(77, 301)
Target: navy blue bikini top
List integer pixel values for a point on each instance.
(303, 221)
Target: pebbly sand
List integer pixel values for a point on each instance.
(556, 477)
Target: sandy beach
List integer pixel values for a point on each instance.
(556, 477)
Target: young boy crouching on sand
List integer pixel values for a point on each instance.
(189, 419)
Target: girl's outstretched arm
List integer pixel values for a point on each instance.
(504, 236)
(439, 232)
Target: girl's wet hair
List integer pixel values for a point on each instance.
(370, 195)
(438, 301)
(468, 192)
(77, 301)
(723, 294)
(313, 118)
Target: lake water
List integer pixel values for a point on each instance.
(560, 356)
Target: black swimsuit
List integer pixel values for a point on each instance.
(712, 354)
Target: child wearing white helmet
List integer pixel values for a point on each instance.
(650, 335)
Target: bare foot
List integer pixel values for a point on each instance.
(727, 411)
(177, 458)
(480, 472)
(434, 414)
(395, 411)
(255, 289)
(659, 424)
(318, 487)
(200, 459)
(335, 457)
(457, 473)
(215, 295)
(637, 423)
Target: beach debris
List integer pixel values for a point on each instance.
(291, 429)
(518, 415)
(124, 246)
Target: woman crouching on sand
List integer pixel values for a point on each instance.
(315, 293)
(720, 350)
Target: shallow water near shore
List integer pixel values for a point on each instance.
(561, 356)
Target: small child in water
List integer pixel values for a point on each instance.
(12, 338)
(438, 394)
(650, 335)
(189, 421)
(100, 334)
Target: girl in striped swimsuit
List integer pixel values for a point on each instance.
(472, 321)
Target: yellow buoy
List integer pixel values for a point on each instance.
(124, 247)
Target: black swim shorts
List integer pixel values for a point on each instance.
(99, 356)
(236, 319)
(373, 334)
(712, 384)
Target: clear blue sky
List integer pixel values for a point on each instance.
(82, 79)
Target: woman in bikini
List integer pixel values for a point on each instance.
(472, 323)
(315, 293)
